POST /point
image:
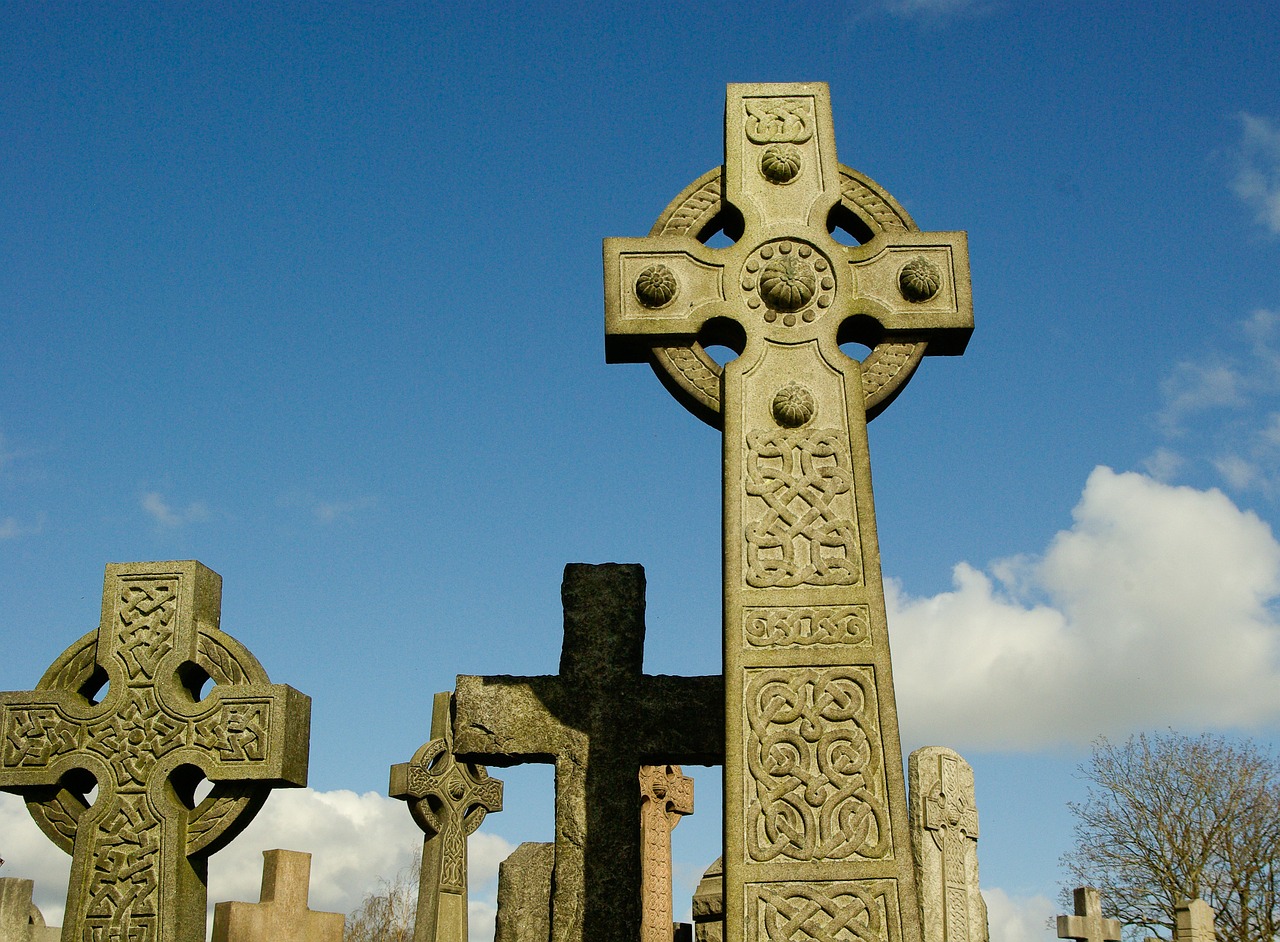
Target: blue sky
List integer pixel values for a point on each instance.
(313, 295)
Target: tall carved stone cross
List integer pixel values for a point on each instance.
(666, 794)
(816, 837)
(598, 720)
(140, 852)
(448, 799)
(944, 841)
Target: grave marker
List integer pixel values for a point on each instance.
(1193, 922)
(665, 796)
(448, 799)
(524, 894)
(140, 852)
(20, 918)
(598, 720)
(812, 846)
(282, 914)
(1088, 925)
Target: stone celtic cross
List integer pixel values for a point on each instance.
(944, 841)
(598, 720)
(666, 795)
(140, 851)
(816, 837)
(448, 799)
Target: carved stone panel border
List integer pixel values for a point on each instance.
(810, 625)
(846, 911)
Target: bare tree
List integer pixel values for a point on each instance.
(387, 913)
(1171, 817)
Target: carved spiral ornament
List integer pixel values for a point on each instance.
(656, 287)
(793, 406)
(919, 279)
(780, 163)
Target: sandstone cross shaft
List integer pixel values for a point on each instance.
(281, 913)
(140, 852)
(666, 794)
(816, 836)
(598, 720)
(448, 799)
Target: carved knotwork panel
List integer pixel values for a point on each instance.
(812, 625)
(801, 524)
(849, 911)
(145, 611)
(815, 788)
(123, 890)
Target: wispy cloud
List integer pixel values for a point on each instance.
(1257, 180)
(166, 515)
(11, 528)
(327, 511)
(1090, 636)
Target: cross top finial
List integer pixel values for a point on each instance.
(782, 192)
(1088, 925)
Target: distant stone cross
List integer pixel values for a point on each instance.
(1193, 922)
(665, 796)
(815, 805)
(598, 720)
(282, 915)
(140, 852)
(944, 839)
(448, 799)
(1087, 925)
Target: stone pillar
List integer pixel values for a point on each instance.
(1193, 922)
(20, 919)
(944, 843)
(524, 894)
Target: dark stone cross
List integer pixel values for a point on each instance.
(598, 721)
(448, 799)
(140, 851)
(815, 803)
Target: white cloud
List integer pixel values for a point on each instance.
(160, 510)
(1018, 918)
(1198, 387)
(354, 841)
(327, 511)
(1257, 180)
(1152, 610)
(11, 528)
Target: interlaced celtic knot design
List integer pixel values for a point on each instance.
(800, 501)
(833, 912)
(816, 788)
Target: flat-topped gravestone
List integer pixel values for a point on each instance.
(598, 720)
(281, 915)
(1088, 924)
(666, 795)
(448, 799)
(20, 918)
(816, 836)
(1193, 922)
(140, 851)
(524, 894)
(944, 842)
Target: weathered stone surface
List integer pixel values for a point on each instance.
(140, 853)
(807, 669)
(1193, 922)
(282, 914)
(599, 720)
(20, 919)
(944, 842)
(448, 799)
(524, 894)
(1088, 925)
(665, 796)
(708, 904)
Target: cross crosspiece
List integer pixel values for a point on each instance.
(448, 799)
(815, 803)
(282, 913)
(140, 852)
(598, 720)
(666, 795)
(1087, 925)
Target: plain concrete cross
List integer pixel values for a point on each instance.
(598, 720)
(666, 795)
(282, 914)
(140, 852)
(1193, 922)
(807, 671)
(1087, 925)
(448, 799)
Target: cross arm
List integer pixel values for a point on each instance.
(658, 289)
(912, 288)
(680, 720)
(505, 720)
(258, 732)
